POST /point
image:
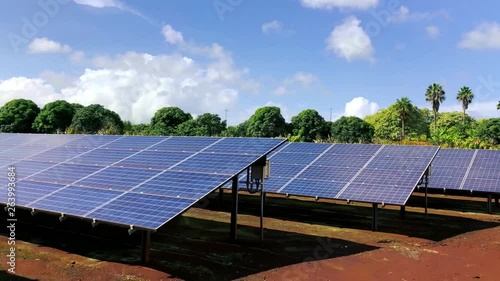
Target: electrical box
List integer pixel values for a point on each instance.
(261, 172)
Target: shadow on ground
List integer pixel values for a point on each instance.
(9, 277)
(188, 248)
(359, 216)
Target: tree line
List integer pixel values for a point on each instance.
(402, 122)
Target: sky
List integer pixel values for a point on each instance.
(230, 57)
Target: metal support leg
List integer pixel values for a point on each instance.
(146, 247)
(221, 198)
(234, 208)
(374, 217)
(489, 206)
(426, 200)
(403, 212)
(262, 199)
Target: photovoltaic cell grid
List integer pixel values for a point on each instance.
(356, 172)
(139, 181)
(471, 170)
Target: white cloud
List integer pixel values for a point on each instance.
(341, 4)
(47, 46)
(484, 36)
(404, 14)
(432, 31)
(58, 80)
(272, 27)
(171, 35)
(349, 41)
(136, 85)
(361, 107)
(77, 56)
(299, 79)
(101, 3)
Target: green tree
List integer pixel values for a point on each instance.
(95, 119)
(210, 125)
(465, 96)
(267, 122)
(77, 106)
(167, 119)
(435, 95)
(387, 123)
(236, 131)
(352, 130)
(489, 131)
(189, 128)
(498, 106)
(54, 117)
(403, 106)
(309, 125)
(18, 115)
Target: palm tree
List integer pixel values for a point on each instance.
(403, 106)
(435, 95)
(466, 96)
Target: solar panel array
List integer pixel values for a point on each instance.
(355, 172)
(472, 170)
(127, 180)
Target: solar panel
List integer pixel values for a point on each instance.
(349, 171)
(139, 181)
(466, 169)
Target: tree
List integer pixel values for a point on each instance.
(403, 106)
(95, 119)
(267, 122)
(387, 123)
(166, 120)
(465, 96)
(352, 130)
(435, 95)
(236, 131)
(54, 117)
(309, 125)
(210, 125)
(489, 131)
(189, 128)
(498, 106)
(77, 106)
(18, 115)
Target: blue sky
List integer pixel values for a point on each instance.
(208, 56)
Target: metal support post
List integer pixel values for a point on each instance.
(374, 217)
(234, 208)
(146, 247)
(489, 206)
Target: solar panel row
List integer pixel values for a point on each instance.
(139, 181)
(472, 170)
(356, 172)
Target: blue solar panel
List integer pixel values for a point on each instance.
(29, 191)
(372, 193)
(74, 200)
(253, 146)
(460, 169)
(59, 154)
(329, 171)
(293, 158)
(313, 188)
(188, 144)
(141, 210)
(315, 148)
(355, 149)
(182, 184)
(103, 157)
(215, 163)
(117, 178)
(154, 159)
(273, 184)
(124, 180)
